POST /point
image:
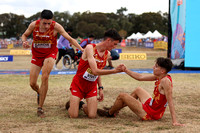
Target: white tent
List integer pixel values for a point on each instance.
(131, 36)
(148, 34)
(156, 34)
(139, 35)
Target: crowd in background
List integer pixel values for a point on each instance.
(143, 41)
(129, 42)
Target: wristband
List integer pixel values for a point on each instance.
(100, 87)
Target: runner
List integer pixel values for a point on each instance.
(147, 107)
(84, 84)
(44, 52)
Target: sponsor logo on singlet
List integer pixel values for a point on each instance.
(42, 44)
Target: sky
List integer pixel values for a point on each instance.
(31, 7)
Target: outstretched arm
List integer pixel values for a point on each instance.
(88, 55)
(138, 76)
(61, 30)
(167, 86)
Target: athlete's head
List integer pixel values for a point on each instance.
(91, 37)
(46, 14)
(165, 63)
(46, 19)
(112, 34)
(112, 38)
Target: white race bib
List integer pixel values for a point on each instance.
(42, 45)
(89, 76)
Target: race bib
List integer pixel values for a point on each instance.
(89, 76)
(42, 45)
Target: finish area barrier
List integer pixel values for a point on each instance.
(72, 72)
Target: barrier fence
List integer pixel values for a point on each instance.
(8, 44)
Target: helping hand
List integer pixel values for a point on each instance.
(25, 44)
(121, 68)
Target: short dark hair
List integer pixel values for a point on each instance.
(69, 29)
(112, 33)
(46, 14)
(91, 36)
(165, 63)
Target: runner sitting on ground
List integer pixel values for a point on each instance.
(140, 102)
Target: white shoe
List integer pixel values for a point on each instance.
(55, 68)
(64, 67)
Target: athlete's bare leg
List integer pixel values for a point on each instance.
(74, 106)
(91, 107)
(124, 99)
(46, 69)
(141, 94)
(34, 73)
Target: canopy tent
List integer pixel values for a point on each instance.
(156, 34)
(131, 36)
(148, 34)
(138, 35)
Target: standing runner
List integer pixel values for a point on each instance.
(44, 52)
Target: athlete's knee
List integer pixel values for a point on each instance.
(33, 85)
(136, 90)
(72, 114)
(92, 115)
(122, 96)
(45, 77)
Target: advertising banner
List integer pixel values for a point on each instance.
(178, 20)
(161, 45)
(20, 52)
(133, 56)
(6, 58)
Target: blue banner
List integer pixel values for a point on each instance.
(192, 47)
(149, 44)
(6, 58)
(178, 13)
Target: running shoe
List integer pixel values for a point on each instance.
(38, 98)
(40, 112)
(105, 113)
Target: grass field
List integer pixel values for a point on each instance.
(18, 102)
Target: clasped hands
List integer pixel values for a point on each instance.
(121, 68)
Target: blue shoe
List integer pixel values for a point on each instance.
(38, 98)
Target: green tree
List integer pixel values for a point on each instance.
(62, 18)
(12, 25)
(123, 21)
